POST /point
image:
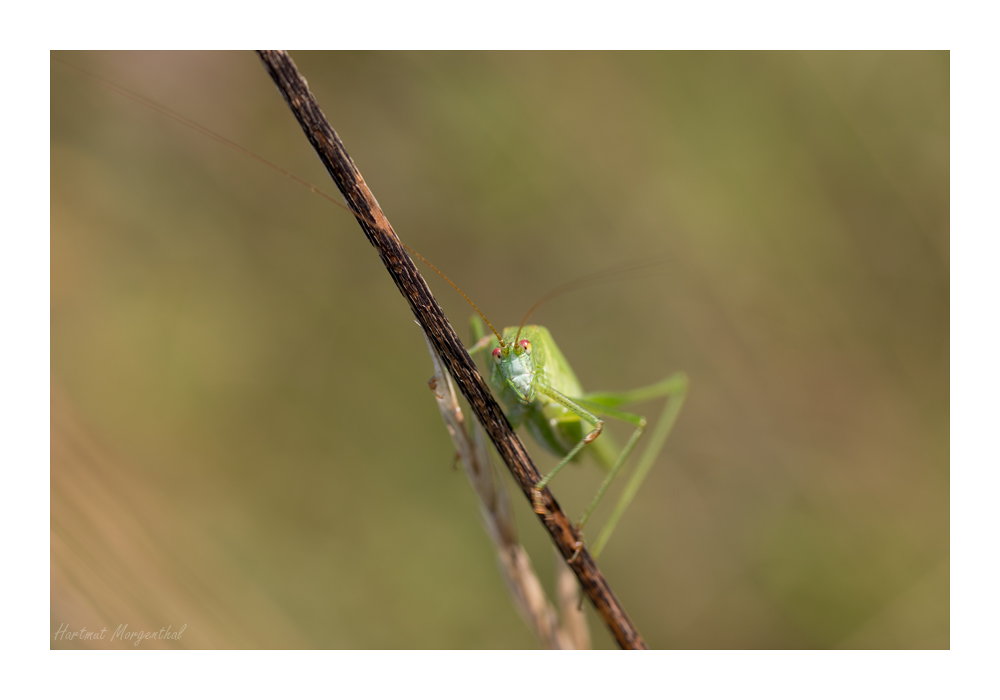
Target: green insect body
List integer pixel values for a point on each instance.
(533, 379)
(551, 424)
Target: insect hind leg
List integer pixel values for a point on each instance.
(674, 388)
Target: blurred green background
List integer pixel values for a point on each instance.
(242, 436)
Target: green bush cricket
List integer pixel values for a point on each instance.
(532, 378)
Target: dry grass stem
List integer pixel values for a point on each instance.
(498, 518)
(447, 344)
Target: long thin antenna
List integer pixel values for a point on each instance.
(167, 112)
(587, 280)
(428, 263)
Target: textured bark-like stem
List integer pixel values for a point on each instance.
(428, 313)
(498, 517)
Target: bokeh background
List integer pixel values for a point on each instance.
(242, 438)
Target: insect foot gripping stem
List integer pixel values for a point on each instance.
(578, 547)
(536, 501)
(592, 435)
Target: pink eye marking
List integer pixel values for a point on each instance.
(526, 345)
(496, 354)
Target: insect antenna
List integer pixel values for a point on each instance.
(167, 112)
(264, 161)
(428, 263)
(612, 275)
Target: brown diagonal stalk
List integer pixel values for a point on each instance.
(490, 487)
(425, 308)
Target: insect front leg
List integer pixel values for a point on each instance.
(483, 340)
(584, 414)
(482, 344)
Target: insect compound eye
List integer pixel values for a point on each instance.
(526, 344)
(496, 355)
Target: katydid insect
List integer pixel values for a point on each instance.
(532, 377)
